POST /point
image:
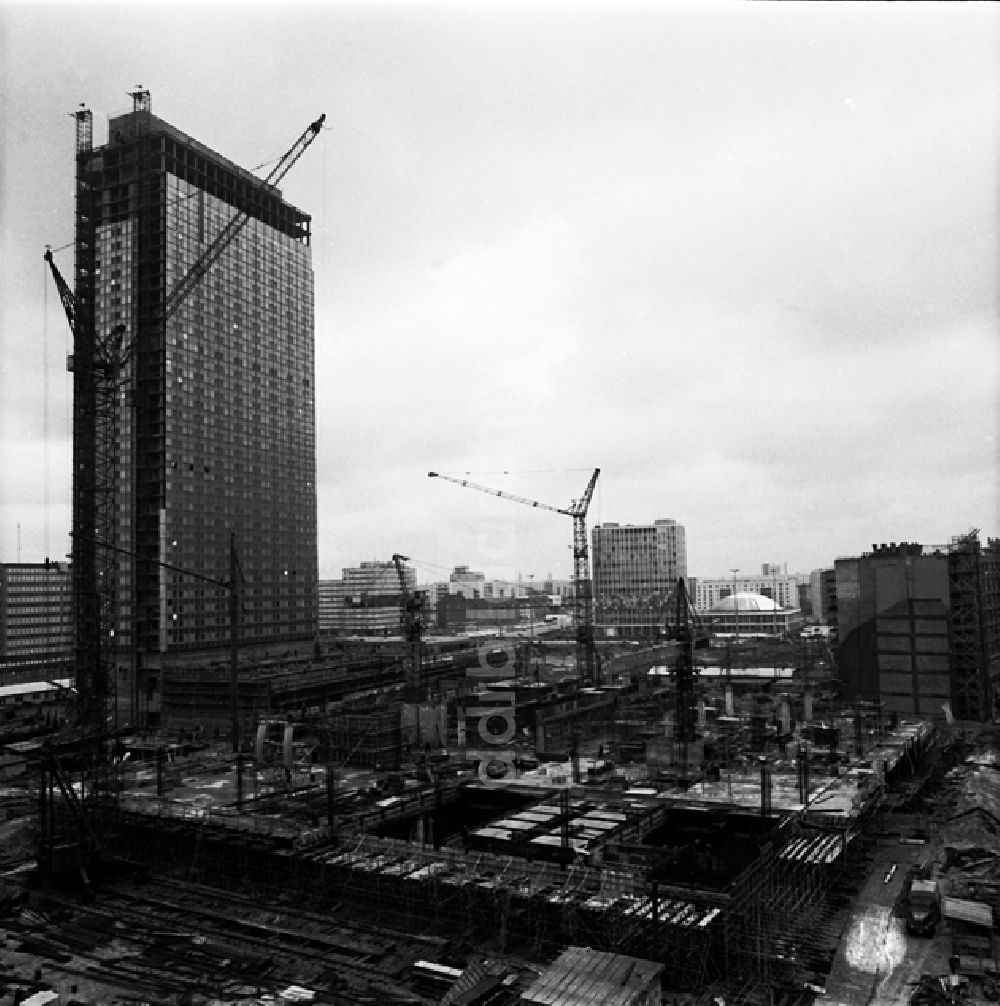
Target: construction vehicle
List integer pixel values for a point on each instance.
(587, 660)
(940, 990)
(923, 907)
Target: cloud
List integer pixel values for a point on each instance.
(741, 257)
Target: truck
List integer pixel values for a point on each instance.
(923, 907)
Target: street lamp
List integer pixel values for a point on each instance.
(774, 574)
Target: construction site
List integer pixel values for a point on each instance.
(545, 816)
(734, 859)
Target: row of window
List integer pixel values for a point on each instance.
(16, 615)
(16, 574)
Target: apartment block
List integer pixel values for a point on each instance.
(917, 627)
(36, 620)
(635, 568)
(773, 581)
(367, 600)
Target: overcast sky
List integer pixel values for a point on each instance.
(742, 258)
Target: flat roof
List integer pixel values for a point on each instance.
(974, 912)
(582, 976)
(34, 687)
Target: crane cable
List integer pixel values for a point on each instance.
(431, 567)
(326, 158)
(45, 410)
(521, 471)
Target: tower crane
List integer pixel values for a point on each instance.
(237, 222)
(98, 364)
(413, 627)
(586, 658)
(684, 626)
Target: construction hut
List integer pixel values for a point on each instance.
(972, 935)
(581, 976)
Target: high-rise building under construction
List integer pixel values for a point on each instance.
(214, 425)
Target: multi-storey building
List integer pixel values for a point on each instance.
(823, 596)
(635, 568)
(467, 582)
(773, 582)
(506, 590)
(329, 602)
(367, 600)
(475, 585)
(215, 421)
(804, 600)
(470, 601)
(559, 591)
(746, 614)
(990, 593)
(36, 620)
(918, 627)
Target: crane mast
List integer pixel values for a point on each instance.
(584, 590)
(685, 628)
(97, 363)
(412, 617)
(586, 658)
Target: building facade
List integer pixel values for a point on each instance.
(467, 583)
(747, 615)
(917, 627)
(823, 596)
(367, 600)
(559, 591)
(36, 621)
(774, 581)
(474, 585)
(635, 568)
(329, 601)
(215, 426)
(990, 593)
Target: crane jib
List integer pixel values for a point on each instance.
(587, 660)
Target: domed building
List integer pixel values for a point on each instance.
(748, 614)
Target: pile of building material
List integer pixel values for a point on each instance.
(582, 977)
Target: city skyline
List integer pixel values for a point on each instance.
(739, 257)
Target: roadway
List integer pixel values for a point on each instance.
(877, 963)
